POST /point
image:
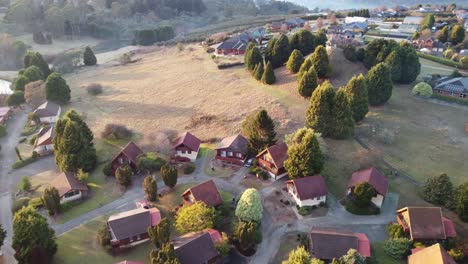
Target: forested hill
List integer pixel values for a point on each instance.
(350, 4)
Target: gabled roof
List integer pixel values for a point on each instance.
(295, 21)
(278, 153)
(309, 187)
(327, 243)
(47, 109)
(188, 140)
(373, 177)
(434, 254)
(206, 192)
(130, 223)
(66, 182)
(131, 151)
(195, 248)
(45, 136)
(458, 85)
(236, 143)
(425, 223)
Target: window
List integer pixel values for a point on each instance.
(183, 151)
(230, 153)
(239, 155)
(120, 160)
(189, 152)
(223, 153)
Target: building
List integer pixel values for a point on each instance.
(308, 191)
(327, 244)
(356, 27)
(206, 192)
(434, 254)
(5, 114)
(425, 223)
(355, 19)
(196, 248)
(48, 112)
(235, 45)
(413, 20)
(272, 159)
(232, 150)
(44, 144)
(454, 87)
(294, 23)
(130, 228)
(69, 188)
(128, 155)
(376, 179)
(186, 148)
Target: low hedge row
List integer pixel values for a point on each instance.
(450, 99)
(441, 60)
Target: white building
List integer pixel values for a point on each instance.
(44, 143)
(355, 19)
(308, 191)
(48, 112)
(186, 148)
(69, 188)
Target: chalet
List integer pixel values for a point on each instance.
(235, 45)
(128, 155)
(196, 248)
(434, 254)
(130, 228)
(186, 148)
(425, 223)
(376, 179)
(5, 114)
(308, 191)
(454, 87)
(69, 188)
(295, 23)
(206, 192)
(44, 143)
(232, 150)
(271, 160)
(48, 112)
(327, 244)
(277, 26)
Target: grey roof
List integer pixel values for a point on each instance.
(47, 109)
(455, 85)
(236, 143)
(130, 223)
(238, 42)
(195, 248)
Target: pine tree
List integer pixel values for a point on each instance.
(51, 200)
(319, 115)
(258, 73)
(457, 34)
(259, 129)
(443, 34)
(394, 62)
(357, 94)
(165, 255)
(343, 123)
(245, 234)
(320, 62)
(247, 54)
(123, 175)
(160, 234)
(169, 175)
(306, 41)
(36, 59)
(295, 61)
(305, 157)
(306, 65)
(254, 57)
(88, 57)
(308, 83)
(269, 49)
(150, 187)
(321, 38)
(410, 65)
(379, 84)
(281, 51)
(268, 75)
(294, 42)
(57, 89)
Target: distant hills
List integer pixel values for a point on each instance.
(349, 4)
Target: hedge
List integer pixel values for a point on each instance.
(24, 162)
(441, 60)
(229, 65)
(450, 99)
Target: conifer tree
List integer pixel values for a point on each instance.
(89, 59)
(123, 174)
(269, 49)
(321, 38)
(306, 65)
(254, 57)
(379, 84)
(268, 76)
(320, 62)
(294, 42)
(259, 129)
(160, 234)
(357, 95)
(57, 89)
(394, 63)
(150, 186)
(443, 34)
(343, 123)
(457, 34)
(281, 51)
(36, 59)
(258, 73)
(247, 54)
(295, 61)
(319, 115)
(410, 65)
(169, 175)
(308, 83)
(165, 255)
(306, 41)
(51, 200)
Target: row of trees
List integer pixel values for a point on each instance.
(255, 64)
(455, 35)
(359, 13)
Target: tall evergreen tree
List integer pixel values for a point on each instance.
(150, 186)
(438, 190)
(269, 49)
(57, 89)
(258, 72)
(169, 175)
(461, 201)
(305, 157)
(410, 65)
(343, 123)
(379, 84)
(308, 83)
(428, 22)
(319, 115)
(321, 38)
(161, 233)
(457, 34)
(306, 41)
(51, 200)
(254, 58)
(247, 55)
(259, 129)
(357, 94)
(123, 175)
(306, 65)
(294, 42)
(320, 62)
(295, 61)
(36, 59)
(245, 234)
(281, 51)
(443, 34)
(394, 63)
(268, 76)
(165, 255)
(89, 59)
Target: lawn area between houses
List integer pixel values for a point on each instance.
(288, 243)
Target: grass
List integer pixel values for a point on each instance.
(380, 257)
(441, 60)
(28, 129)
(288, 243)
(217, 171)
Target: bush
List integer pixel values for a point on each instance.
(20, 203)
(441, 60)
(354, 209)
(397, 248)
(3, 131)
(189, 169)
(450, 99)
(114, 131)
(107, 169)
(15, 98)
(94, 88)
(21, 163)
(104, 237)
(305, 210)
(262, 174)
(422, 89)
(126, 58)
(395, 231)
(36, 203)
(25, 184)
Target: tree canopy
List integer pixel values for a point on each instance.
(160, 234)
(268, 76)
(319, 115)
(57, 89)
(169, 175)
(51, 200)
(298, 256)
(35, 59)
(295, 61)
(89, 59)
(150, 187)
(379, 84)
(308, 82)
(343, 116)
(195, 217)
(457, 34)
(259, 129)
(461, 201)
(164, 255)
(249, 207)
(123, 174)
(357, 95)
(363, 194)
(320, 62)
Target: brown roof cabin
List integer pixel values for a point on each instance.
(130, 228)
(196, 248)
(272, 159)
(69, 188)
(44, 142)
(434, 254)
(376, 179)
(128, 155)
(425, 223)
(232, 150)
(327, 243)
(186, 148)
(308, 191)
(206, 192)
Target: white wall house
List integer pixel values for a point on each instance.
(308, 191)
(189, 154)
(72, 195)
(315, 201)
(186, 147)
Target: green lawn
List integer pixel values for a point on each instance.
(221, 172)
(380, 257)
(288, 243)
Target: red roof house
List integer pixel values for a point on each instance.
(69, 188)
(44, 143)
(232, 150)
(425, 223)
(328, 244)
(308, 191)
(186, 148)
(434, 254)
(376, 179)
(206, 192)
(272, 159)
(128, 155)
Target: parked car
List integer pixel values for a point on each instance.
(249, 163)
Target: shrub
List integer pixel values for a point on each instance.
(126, 58)
(114, 131)
(94, 88)
(20, 203)
(422, 89)
(36, 203)
(107, 169)
(25, 184)
(3, 131)
(450, 99)
(397, 248)
(262, 174)
(456, 254)
(104, 238)
(189, 169)
(441, 60)
(305, 210)
(15, 98)
(395, 231)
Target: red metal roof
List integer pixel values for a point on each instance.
(373, 177)
(364, 247)
(278, 152)
(206, 192)
(449, 227)
(131, 151)
(188, 140)
(425, 223)
(310, 187)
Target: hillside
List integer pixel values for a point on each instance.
(349, 4)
